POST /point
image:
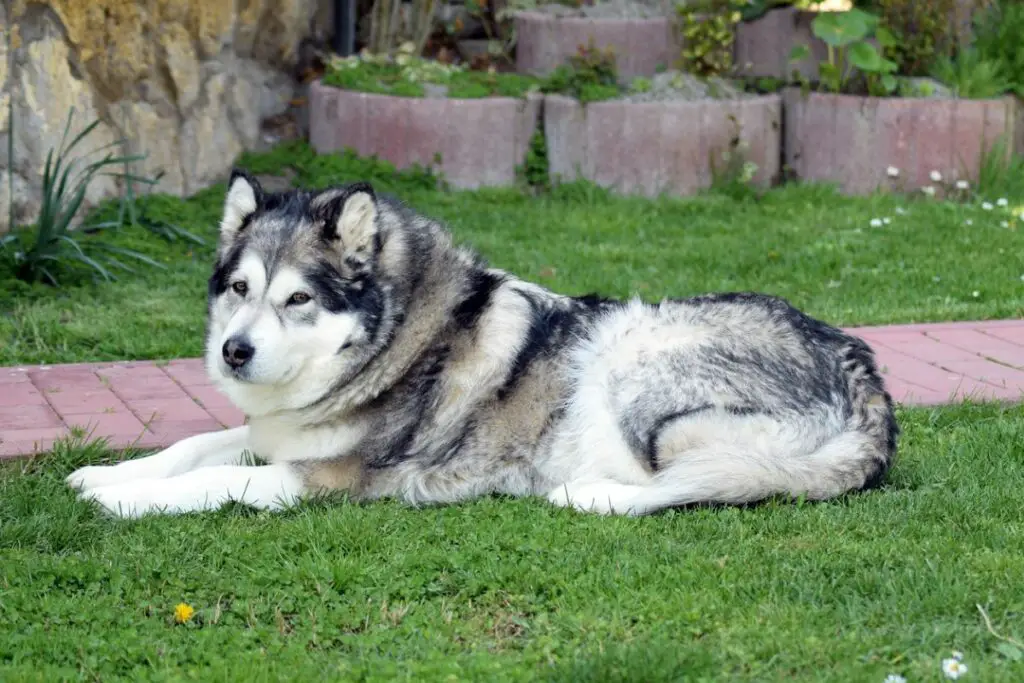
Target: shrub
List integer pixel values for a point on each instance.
(972, 75)
(998, 31)
(924, 31)
(709, 30)
(589, 75)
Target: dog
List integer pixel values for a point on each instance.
(373, 356)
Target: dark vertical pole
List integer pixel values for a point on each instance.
(345, 27)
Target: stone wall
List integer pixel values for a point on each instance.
(187, 82)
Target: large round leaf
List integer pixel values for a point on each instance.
(865, 57)
(840, 28)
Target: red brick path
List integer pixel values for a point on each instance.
(155, 404)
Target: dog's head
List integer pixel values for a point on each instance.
(294, 305)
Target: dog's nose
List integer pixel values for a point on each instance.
(237, 352)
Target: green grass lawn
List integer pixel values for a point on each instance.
(496, 589)
(518, 590)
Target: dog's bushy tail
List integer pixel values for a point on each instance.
(856, 458)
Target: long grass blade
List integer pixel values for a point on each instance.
(123, 266)
(67, 129)
(85, 258)
(49, 276)
(46, 205)
(131, 253)
(63, 221)
(84, 133)
(182, 232)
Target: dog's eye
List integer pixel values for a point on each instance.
(298, 298)
(240, 288)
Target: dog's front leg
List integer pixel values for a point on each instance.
(268, 487)
(202, 450)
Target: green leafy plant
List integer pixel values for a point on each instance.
(589, 75)
(37, 253)
(971, 75)
(852, 59)
(709, 29)
(534, 170)
(997, 37)
(731, 170)
(640, 84)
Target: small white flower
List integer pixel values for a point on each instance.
(900, 211)
(968, 222)
(987, 206)
(895, 678)
(876, 222)
(928, 190)
(975, 294)
(1022, 278)
(936, 278)
(953, 668)
(962, 185)
(935, 176)
(892, 172)
(887, 220)
(1002, 201)
(1005, 224)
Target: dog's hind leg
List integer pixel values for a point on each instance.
(203, 450)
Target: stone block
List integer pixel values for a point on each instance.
(479, 141)
(652, 148)
(852, 141)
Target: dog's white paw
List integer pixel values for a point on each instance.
(94, 476)
(146, 496)
(123, 500)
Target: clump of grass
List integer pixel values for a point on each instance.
(40, 252)
(971, 75)
(411, 76)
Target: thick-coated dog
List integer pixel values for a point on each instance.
(371, 355)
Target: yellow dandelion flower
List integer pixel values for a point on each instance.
(183, 613)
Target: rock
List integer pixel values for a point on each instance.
(186, 83)
(182, 65)
(45, 90)
(209, 137)
(147, 132)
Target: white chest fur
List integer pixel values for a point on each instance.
(278, 439)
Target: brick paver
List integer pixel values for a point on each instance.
(145, 404)
(151, 404)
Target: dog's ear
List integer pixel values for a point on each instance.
(243, 199)
(348, 221)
